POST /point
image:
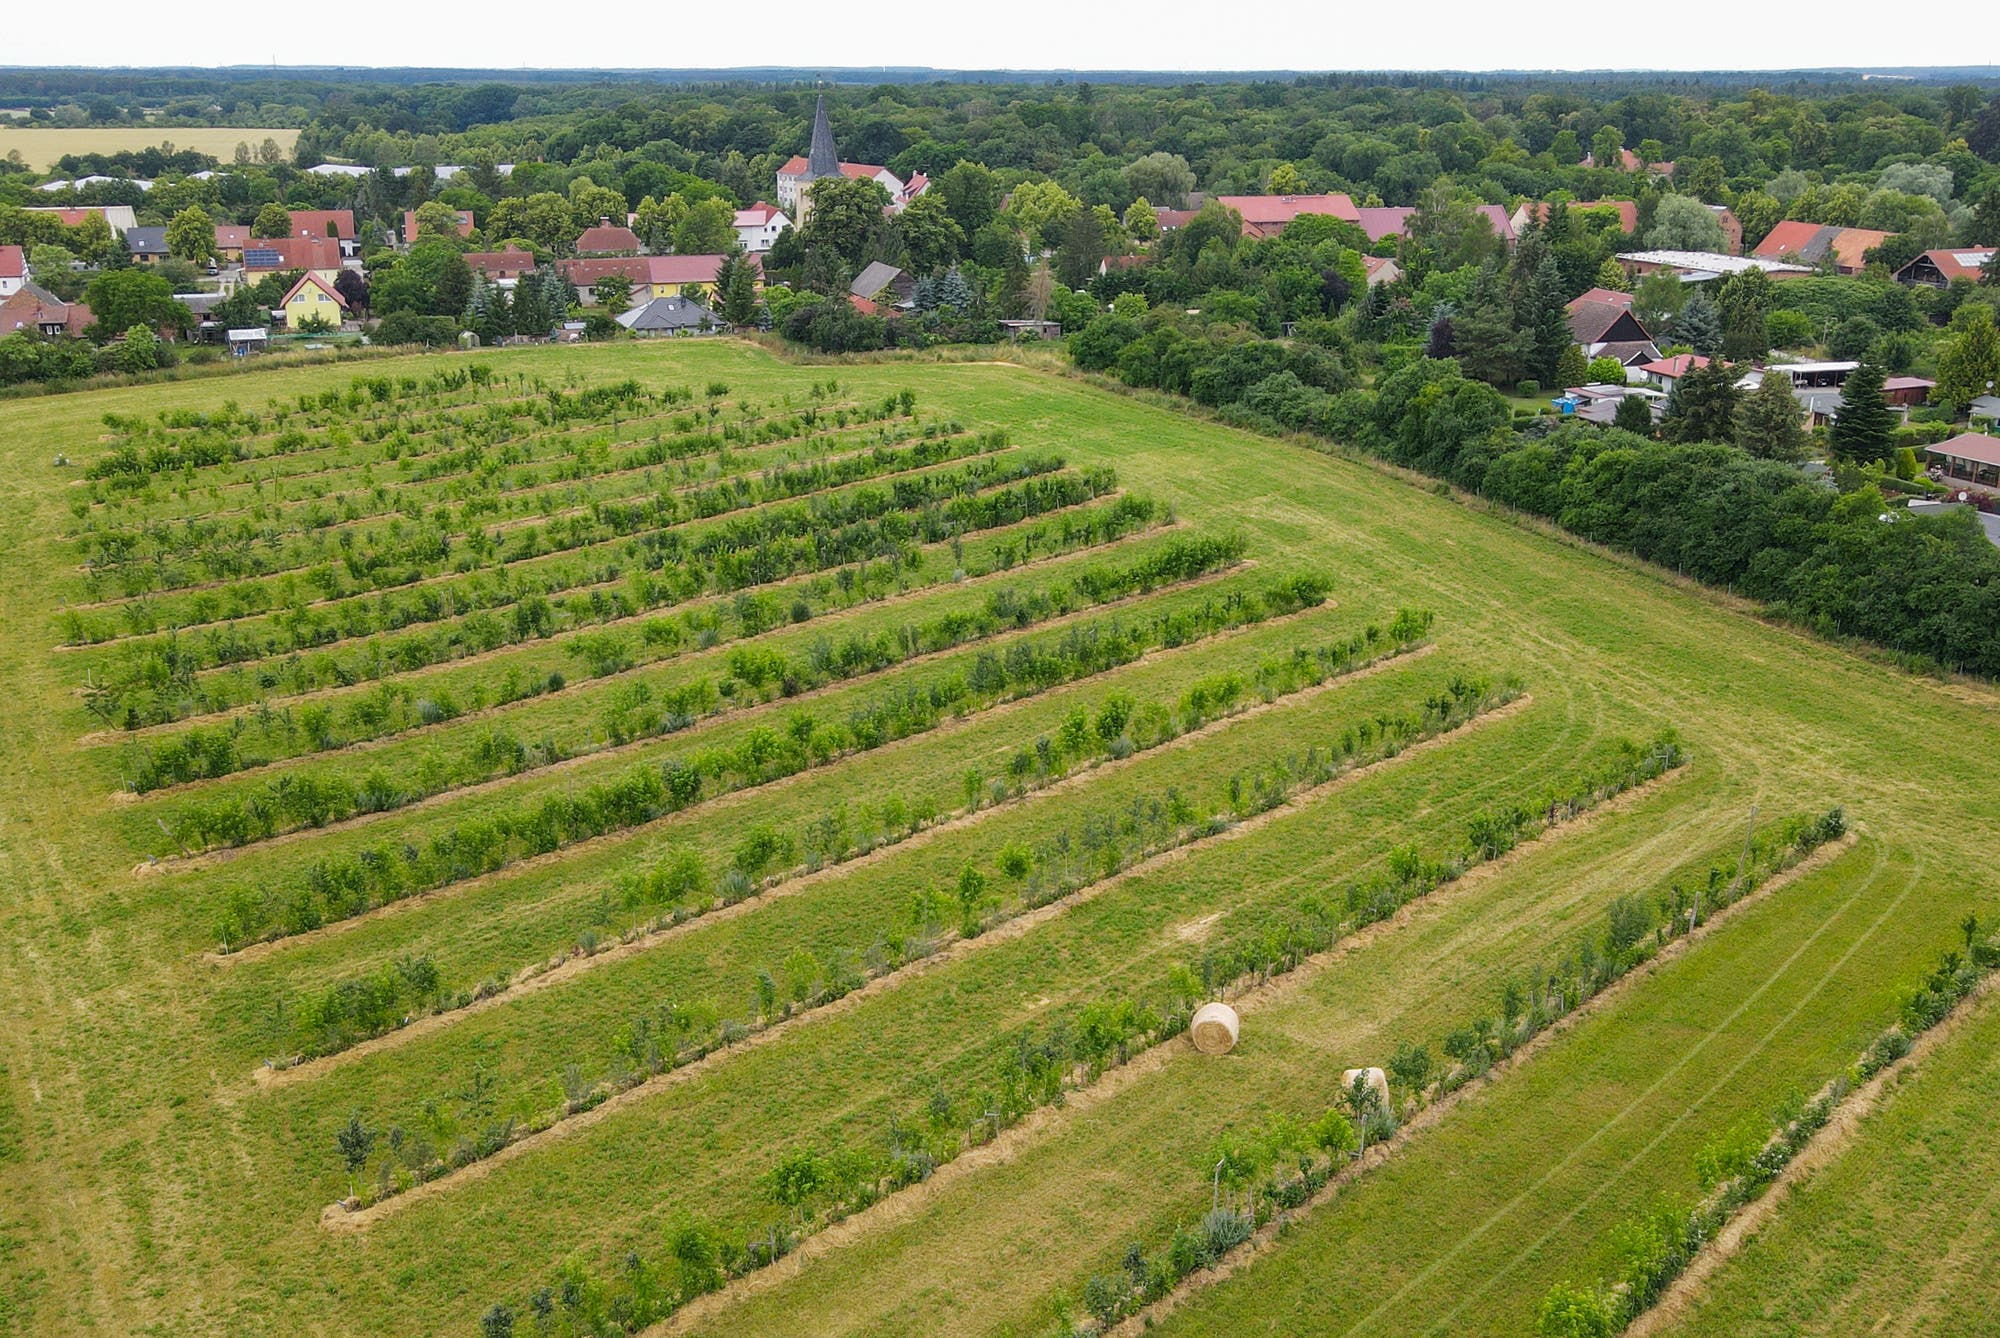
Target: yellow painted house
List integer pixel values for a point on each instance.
(313, 296)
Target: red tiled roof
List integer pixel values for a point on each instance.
(311, 280)
(1677, 366)
(1169, 219)
(1969, 446)
(1812, 242)
(1384, 221)
(1790, 237)
(31, 308)
(1611, 295)
(13, 262)
(72, 217)
(1852, 245)
(231, 236)
(500, 264)
(291, 253)
(323, 223)
(860, 171)
(1266, 215)
(410, 224)
(1958, 262)
(757, 215)
(607, 237)
(1589, 322)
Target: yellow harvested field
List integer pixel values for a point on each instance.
(40, 147)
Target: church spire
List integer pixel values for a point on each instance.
(822, 160)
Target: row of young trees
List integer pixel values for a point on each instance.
(342, 886)
(812, 1187)
(161, 680)
(681, 884)
(754, 675)
(300, 627)
(1279, 1167)
(677, 1034)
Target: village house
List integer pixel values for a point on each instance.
(1611, 295)
(230, 239)
(118, 217)
(1938, 268)
(1908, 391)
(1381, 269)
(759, 226)
(650, 276)
(607, 239)
(269, 255)
(1812, 243)
(1610, 330)
(313, 297)
(1663, 373)
(410, 225)
(147, 246)
(1703, 266)
(36, 310)
(671, 316)
(1380, 221)
(500, 266)
(822, 160)
(1267, 215)
(1968, 460)
(13, 270)
(884, 285)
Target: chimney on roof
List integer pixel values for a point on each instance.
(822, 160)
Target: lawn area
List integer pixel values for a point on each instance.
(435, 598)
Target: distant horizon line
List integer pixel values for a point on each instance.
(863, 71)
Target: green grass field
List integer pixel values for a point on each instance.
(41, 146)
(426, 602)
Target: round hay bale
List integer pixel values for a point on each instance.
(1214, 1028)
(1374, 1078)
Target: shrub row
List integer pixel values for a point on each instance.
(303, 626)
(159, 683)
(677, 1034)
(815, 1188)
(754, 673)
(343, 886)
(413, 544)
(681, 885)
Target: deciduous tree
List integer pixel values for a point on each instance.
(191, 235)
(273, 220)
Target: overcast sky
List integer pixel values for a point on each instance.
(1019, 34)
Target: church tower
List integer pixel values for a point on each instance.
(822, 160)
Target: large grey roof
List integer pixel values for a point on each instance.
(670, 313)
(878, 274)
